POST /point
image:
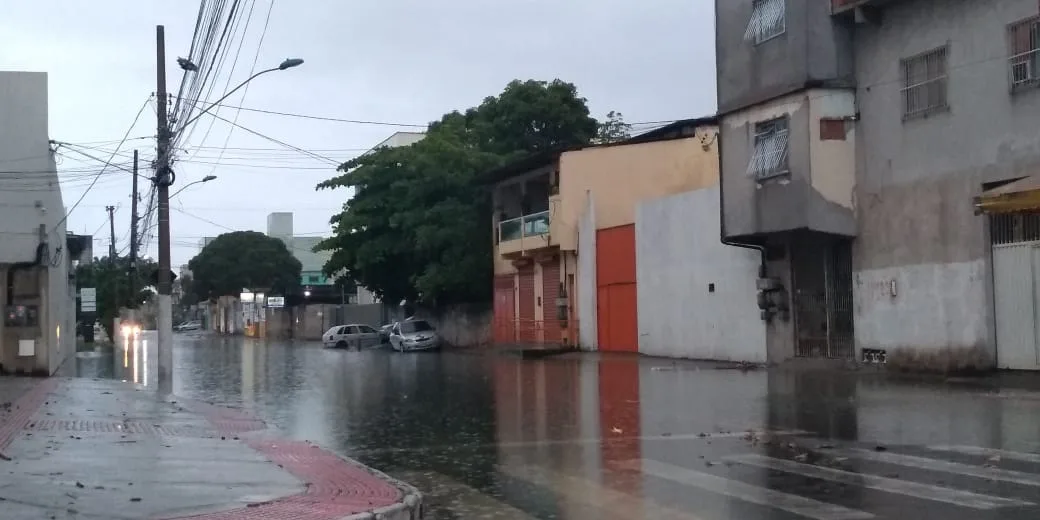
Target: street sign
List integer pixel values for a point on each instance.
(88, 299)
(276, 301)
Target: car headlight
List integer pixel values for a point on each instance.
(126, 330)
(137, 330)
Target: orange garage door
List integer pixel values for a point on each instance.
(616, 289)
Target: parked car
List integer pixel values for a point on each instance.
(414, 335)
(188, 325)
(355, 336)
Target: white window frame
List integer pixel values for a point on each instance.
(768, 20)
(926, 83)
(771, 149)
(1024, 66)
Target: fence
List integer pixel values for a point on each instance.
(535, 332)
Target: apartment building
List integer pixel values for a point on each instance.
(855, 135)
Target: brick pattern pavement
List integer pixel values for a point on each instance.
(22, 410)
(336, 487)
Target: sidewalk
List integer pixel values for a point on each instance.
(86, 449)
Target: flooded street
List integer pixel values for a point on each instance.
(588, 436)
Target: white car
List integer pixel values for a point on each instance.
(188, 325)
(356, 336)
(414, 335)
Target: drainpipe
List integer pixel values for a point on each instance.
(722, 221)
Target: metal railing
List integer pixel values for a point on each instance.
(1024, 45)
(526, 226)
(535, 332)
(924, 83)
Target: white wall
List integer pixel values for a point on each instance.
(678, 254)
(30, 195)
(588, 331)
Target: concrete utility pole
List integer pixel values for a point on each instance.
(163, 179)
(133, 234)
(112, 233)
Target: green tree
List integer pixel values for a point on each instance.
(111, 279)
(613, 130)
(244, 260)
(417, 227)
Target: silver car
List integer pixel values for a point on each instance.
(414, 335)
(357, 336)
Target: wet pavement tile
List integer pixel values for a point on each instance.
(599, 436)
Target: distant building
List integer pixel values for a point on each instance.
(400, 139)
(280, 226)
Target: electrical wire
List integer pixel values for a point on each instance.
(98, 176)
(276, 141)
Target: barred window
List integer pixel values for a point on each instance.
(1023, 53)
(770, 150)
(925, 83)
(767, 20)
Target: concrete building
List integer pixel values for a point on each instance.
(594, 247)
(854, 134)
(280, 226)
(38, 331)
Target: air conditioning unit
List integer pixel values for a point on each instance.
(1022, 72)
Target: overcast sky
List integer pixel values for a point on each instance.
(390, 61)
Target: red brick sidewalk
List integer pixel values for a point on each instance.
(336, 488)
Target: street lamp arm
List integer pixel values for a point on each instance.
(225, 96)
(200, 181)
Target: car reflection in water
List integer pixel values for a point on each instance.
(135, 356)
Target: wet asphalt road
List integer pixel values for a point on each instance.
(493, 436)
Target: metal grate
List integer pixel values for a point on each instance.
(925, 83)
(1014, 228)
(768, 20)
(822, 289)
(1024, 54)
(771, 150)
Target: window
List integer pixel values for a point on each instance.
(313, 279)
(351, 329)
(365, 329)
(409, 327)
(767, 21)
(1023, 51)
(925, 83)
(769, 158)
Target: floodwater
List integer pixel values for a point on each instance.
(594, 436)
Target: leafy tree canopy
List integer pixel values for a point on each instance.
(613, 130)
(417, 227)
(244, 260)
(110, 278)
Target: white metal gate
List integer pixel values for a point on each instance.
(1016, 291)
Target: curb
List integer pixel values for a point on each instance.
(411, 506)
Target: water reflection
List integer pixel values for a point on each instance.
(558, 438)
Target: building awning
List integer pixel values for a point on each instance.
(1015, 196)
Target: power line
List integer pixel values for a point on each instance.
(107, 163)
(273, 140)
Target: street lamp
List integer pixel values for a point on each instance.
(163, 179)
(189, 66)
(200, 181)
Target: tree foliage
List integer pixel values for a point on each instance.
(613, 130)
(244, 260)
(418, 226)
(111, 279)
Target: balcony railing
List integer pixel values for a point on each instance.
(526, 226)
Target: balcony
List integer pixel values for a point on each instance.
(525, 233)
